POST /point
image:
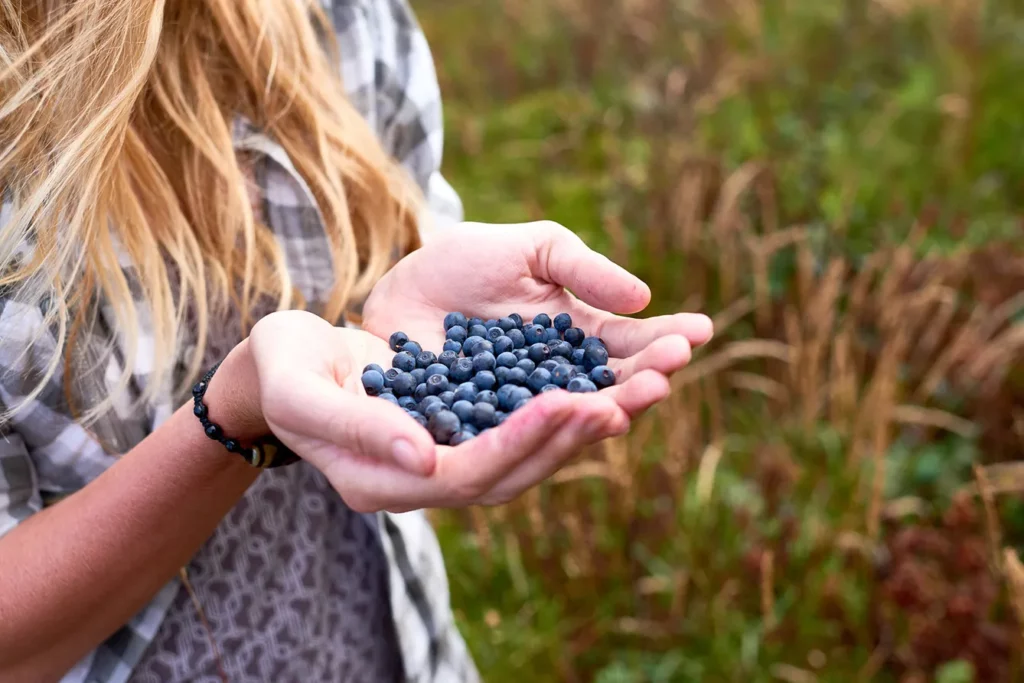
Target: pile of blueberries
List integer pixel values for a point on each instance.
(487, 370)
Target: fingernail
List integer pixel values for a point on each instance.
(406, 455)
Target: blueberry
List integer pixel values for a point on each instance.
(521, 354)
(425, 359)
(463, 410)
(390, 398)
(413, 347)
(433, 409)
(591, 341)
(454, 319)
(485, 380)
(517, 376)
(539, 353)
(404, 361)
(460, 438)
(506, 360)
(453, 346)
(484, 415)
(503, 344)
(421, 419)
(435, 369)
(549, 387)
(390, 376)
(466, 391)
(562, 349)
(526, 365)
(577, 356)
(581, 385)
(538, 379)
(484, 346)
(444, 425)
(542, 319)
(602, 376)
(491, 323)
(495, 333)
(457, 333)
(516, 319)
(562, 322)
(470, 429)
(419, 376)
(447, 398)
(447, 358)
(580, 370)
(427, 401)
(505, 395)
(373, 382)
(548, 365)
(437, 384)
(483, 361)
(413, 413)
(552, 335)
(474, 321)
(478, 331)
(574, 336)
(387, 390)
(534, 334)
(397, 341)
(594, 355)
(561, 375)
(506, 324)
(517, 337)
(500, 416)
(374, 366)
(461, 370)
(521, 394)
(420, 392)
(520, 404)
(403, 384)
(469, 346)
(407, 402)
(501, 374)
(487, 397)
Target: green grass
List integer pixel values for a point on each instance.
(755, 527)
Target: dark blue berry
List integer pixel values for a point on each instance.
(428, 401)
(577, 356)
(425, 359)
(491, 323)
(592, 341)
(432, 409)
(413, 347)
(469, 346)
(542, 319)
(594, 355)
(373, 382)
(447, 398)
(419, 376)
(435, 369)
(562, 349)
(437, 384)
(574, 336)
(581, 385)
(390, 376)
(549, 387)
(457, 333)
(397, 341)
(460, 438)
(471, 429)
(503, 345)
(506, 324)
(463, 410)
(539, 353)
(494, 334)
(506, 360)
(453, 319)
(561, 360)
(534, 334)
(407, 402)
(447, 358)
(520, 404)
(485, 380)
(404, 361)
(374, 366)
(561, 375)
(484, 415)
(483, 361)
(580, 370)
(552, 335)
(444, 425)
(562, 322)
(538, 379)
(517, 376)
(505, 395)
(526, 365)
(548, 365)
(453, 346)
(521, 354)
(466, 391)
(420, 392)
(500, 417)
(484, 346)
(602, 376)
(478, 331)
(474, 321)
(387, 390)
(390, 398)
(403, 384)
(414, 413)
(521, 394)
(516, 319)
(487, 397)
(461, 370)
(517, 337)
(501, 374)
(422, 419)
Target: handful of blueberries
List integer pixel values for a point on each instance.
(487, 370)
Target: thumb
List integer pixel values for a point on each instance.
(562, 258)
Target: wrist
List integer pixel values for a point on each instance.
(233, 396)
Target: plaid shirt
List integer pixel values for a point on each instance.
(45, 455)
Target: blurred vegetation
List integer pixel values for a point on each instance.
(831, 492)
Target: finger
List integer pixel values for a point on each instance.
(627, 336)
(639, 392)
(562, 258)
(666, 355)
(317, 408)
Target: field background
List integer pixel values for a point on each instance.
(831, 493)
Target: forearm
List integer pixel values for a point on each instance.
(74, 573)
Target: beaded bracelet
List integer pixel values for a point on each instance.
(264, 453)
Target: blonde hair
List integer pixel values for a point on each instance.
(116, 133)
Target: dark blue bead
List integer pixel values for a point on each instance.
(561, 375)
(407, 402)
(413, 347)
(539, 353)
(478, 331)
(425, 359)
(420, 392)
(483, 361)
(574, 336)
(548, 365)
(397, 341)
(494, 334)
(503, 345)
(552, 335)
(461, 370)
(447, 358)
(594, 355)
(435, 369)
(390, 376)
(463, 410)
(403, 384)
(466, 391)
(199, 388)
(542, 319)
(507, 324)
(404, 361)
(484, 415)
(453, 319)
(487, 397)
(444, 425)
(517, 337)
(199, 410)
(526, 365)
(460, 438)
(437, 384)
(457, 333)
(581, 385)
(516, 376)
(419, 376)
(534, 334)
(485, 380)
(232, 446)
(521, 354)
(506, 360)
(213, 432)
(538, 379)
(562, 322)
(563, 349)
(374, 366)
(602, 376)
(453, 346)
(447, 398)
(577, 356)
